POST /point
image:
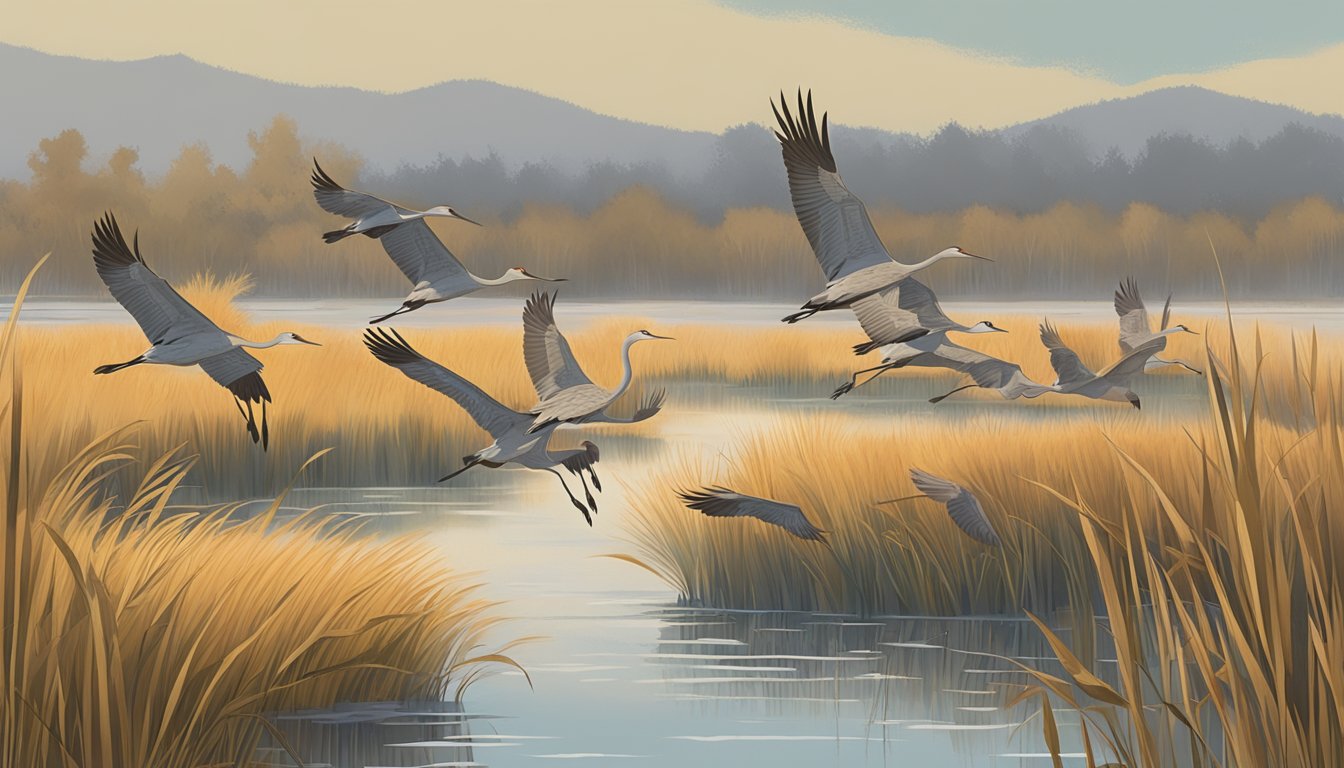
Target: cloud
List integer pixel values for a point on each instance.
(691, 65)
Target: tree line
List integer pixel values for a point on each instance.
(640, 238)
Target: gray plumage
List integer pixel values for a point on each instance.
(1111, 383)
(961, 504)
(436, 275)
(835, 220)
(513, 442)
(564, 391)
(1069, 369)
(716, 501)
(177, 332)
(900, 313)
(985, 370)
(1136, 328)
(907, 323)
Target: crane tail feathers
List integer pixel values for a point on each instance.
(335, 235)
(114, 367)
(404, 308)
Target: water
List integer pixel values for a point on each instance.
(624, 675)
(471, 311)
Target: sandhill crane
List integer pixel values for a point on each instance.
(1111, 383)
(906, 322)
(564, 391)
(961, 504)
(985, 371)
(1136, 329)
(513, 442)
(435, 273)
(908, 313)
(721, 502)
(178, 333)
(834, 219)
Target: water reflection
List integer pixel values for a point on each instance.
(727, 688)
(382, 734)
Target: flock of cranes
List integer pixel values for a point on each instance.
(902, 319)
(900, 315)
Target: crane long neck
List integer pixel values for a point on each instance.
(626, 372)
(502, 279)
(238, 341)
(934, 259)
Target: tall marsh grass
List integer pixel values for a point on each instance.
(136, 634)
(1209, 547)
(389, 431)
(1237, 657)
(907, 557)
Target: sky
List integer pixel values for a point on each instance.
(1125, 42)
(708, 65)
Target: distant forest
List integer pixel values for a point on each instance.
(953, 170)
(1057, 222)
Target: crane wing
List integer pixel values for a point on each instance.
(238, 372)
(1135, 327)
(649, 406)
(422, 256)
(833, 218)
(492, 416)
(160, 311)
(985, 370)
(550, 361)
(341, 201)
(962, 506)
(904, 311)
(1124, 369)
(1068, 368)
(722, 502)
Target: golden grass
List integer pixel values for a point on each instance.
(133, 634)
(897, 558)
(1211, 545)
(1240, 659)
(387, 430)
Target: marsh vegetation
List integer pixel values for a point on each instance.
(139, 631)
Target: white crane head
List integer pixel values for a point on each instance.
(955, 252)
(643, 335)
(448, 212)
(984, 326)
(518, 273)
(293, 338)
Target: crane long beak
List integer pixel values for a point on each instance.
(656, 336)
(974, 256)
(457, 215)
(903, 498)
(546, 279)
(1187, 330)
(302, 340)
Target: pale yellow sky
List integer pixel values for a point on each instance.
(688, 64)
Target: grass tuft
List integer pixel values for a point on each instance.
(135, 634)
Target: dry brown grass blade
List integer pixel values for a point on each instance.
(631, 559)
(1082, 676)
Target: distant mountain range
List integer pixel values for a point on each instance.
(158, 105)
(1215, 117)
